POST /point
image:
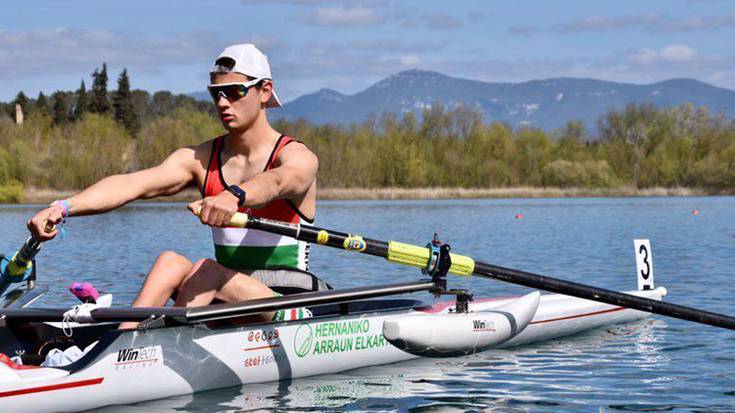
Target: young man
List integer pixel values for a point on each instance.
(252, 168)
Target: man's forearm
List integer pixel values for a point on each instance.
(262, 189)
(107, 194)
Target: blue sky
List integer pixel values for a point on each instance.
(348, 46)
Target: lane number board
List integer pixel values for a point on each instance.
(644, 264)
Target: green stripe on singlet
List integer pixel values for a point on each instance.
(245, 257)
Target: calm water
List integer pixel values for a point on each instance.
(654, 365)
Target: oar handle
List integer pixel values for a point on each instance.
(240, 219)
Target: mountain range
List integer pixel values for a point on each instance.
(547, 104)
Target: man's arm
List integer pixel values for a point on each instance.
(290, 179)
(168, 178)
(171, 176)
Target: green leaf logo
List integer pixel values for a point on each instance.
(303, 339)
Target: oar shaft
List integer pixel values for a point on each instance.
(416, 256)
(556, 285)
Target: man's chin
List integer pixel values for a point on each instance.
(230, 125)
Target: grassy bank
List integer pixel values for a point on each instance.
(44, 196)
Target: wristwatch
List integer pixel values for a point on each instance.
(238, 192)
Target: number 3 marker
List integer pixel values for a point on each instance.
(644, 264)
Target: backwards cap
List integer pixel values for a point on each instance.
(247, 60)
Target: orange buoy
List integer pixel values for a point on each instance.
(519, 216)
(695, 212)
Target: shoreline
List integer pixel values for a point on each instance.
(45, 196)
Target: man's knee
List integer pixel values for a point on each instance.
(171, 258)
(205, 264)
(171, 268)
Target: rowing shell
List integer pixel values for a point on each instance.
(133, 366)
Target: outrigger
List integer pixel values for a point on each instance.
(178, 351)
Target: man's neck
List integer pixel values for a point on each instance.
(247, 141)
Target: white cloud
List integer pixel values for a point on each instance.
(431, 20)
(312, 2)
(670, 54)
(604, 23)
(523, 30)
(478, 16)
(78, 51)
(341, 17)
(679, 53)
(651, 22)
(409, 60)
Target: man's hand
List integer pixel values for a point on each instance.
(43, 224)
(217, 211)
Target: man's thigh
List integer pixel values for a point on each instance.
(241, 286)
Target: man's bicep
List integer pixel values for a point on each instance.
(171, 176)
(297, 170)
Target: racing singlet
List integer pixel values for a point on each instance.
(240, 248)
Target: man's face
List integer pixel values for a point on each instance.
(237, 114)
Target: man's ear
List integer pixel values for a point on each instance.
(266, 91)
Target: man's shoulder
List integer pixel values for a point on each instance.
(195, 154)
(202, 149)
(294, 150)
(295, 145)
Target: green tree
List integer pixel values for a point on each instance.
(122, 101)
(100, 102)
(634, 130)
(142, 104)
(61, 110)
(82, 105)
(163, 103)
(41, 103)
(533, 153)
(572, 145)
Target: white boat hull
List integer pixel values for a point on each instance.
(143, 365)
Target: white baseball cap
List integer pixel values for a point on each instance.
(249, 61)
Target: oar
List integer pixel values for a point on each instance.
(20, 267)
(417, 256)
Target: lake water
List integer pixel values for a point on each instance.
(658, 364)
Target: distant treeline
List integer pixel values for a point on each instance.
(73, 139)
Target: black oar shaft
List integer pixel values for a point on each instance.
(418, 256)
(321, 236)
(602, 295)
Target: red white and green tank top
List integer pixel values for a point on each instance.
(240, 248)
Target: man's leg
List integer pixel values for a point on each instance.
(208, 280)
(164, 278)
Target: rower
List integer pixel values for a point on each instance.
(252, 168)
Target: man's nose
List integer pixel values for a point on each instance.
(222, 100)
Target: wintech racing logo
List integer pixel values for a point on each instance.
(129, 358)
(483, 325)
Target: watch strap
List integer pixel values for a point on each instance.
(239, 193)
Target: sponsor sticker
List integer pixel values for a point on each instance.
(322, 237)
(138, 357)
(354, 243)
(483, 325)
(261, 360)
(337, 337)
(303, 339)
(262, 340)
